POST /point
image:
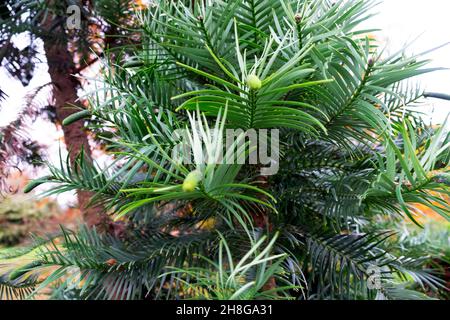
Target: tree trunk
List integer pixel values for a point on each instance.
(61, 69)
(261, 219)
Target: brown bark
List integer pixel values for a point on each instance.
(260, 214)
(261, 219)
(61, 68)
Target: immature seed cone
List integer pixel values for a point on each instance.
(254, 82)
(191, 181)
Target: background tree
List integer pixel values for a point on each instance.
(68, 51)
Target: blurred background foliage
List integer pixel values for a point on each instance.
(20, 215)
(430, 245)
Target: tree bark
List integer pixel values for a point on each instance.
(61, 68)
(261, 219)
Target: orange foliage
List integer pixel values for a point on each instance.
(141, 4)
(428, 213)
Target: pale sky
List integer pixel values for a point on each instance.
(427, 23)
